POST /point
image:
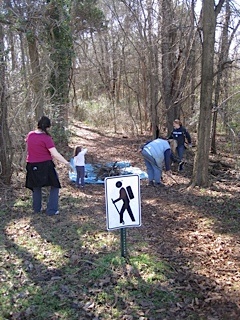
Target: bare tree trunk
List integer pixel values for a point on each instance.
(13, 55)
(6, 152)
(152, 73)
(114, 78)
(201, 161)
(144, 90)
(36, 77)
(222, 75)
(27, 105)
(177, 59)
(168, 35)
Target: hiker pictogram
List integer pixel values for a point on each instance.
(125, 195)
(123, 201)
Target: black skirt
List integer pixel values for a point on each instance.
(41, 174)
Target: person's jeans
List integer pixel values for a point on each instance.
(180, 151)
(52, 205)
(37, 199)
(80, 175)
(153, 171)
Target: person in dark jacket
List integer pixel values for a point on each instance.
(41, 168)
(181, 136)
(155, 153)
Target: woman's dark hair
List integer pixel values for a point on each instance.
(77, 150)
(44, 123)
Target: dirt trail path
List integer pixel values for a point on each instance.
(196, 231)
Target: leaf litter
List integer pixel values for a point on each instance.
(195, 232)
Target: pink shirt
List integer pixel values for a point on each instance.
(38, 145)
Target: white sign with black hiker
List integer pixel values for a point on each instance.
(123, 204)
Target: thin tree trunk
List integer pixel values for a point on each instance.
(152, 73)
(201, 161)
(36, 77)
(221, 75)
(6, 152)
(168, 35)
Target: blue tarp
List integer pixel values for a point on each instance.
(92, 171)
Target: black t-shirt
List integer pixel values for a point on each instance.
(180, 135)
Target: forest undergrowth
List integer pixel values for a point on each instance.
(183, 262)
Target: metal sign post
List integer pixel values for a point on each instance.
(123, 242)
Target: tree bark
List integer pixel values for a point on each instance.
(168, 35)
(36, 77)
(60, 44)
(222, 78)
(201, 161)
(6, 152)
(152, 74)
(178, 49)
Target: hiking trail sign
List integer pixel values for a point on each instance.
(123, 203)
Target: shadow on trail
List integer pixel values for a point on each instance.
(64, 291)
(47, 290)
(201, 258)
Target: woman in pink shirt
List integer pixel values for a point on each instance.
(41, 168)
